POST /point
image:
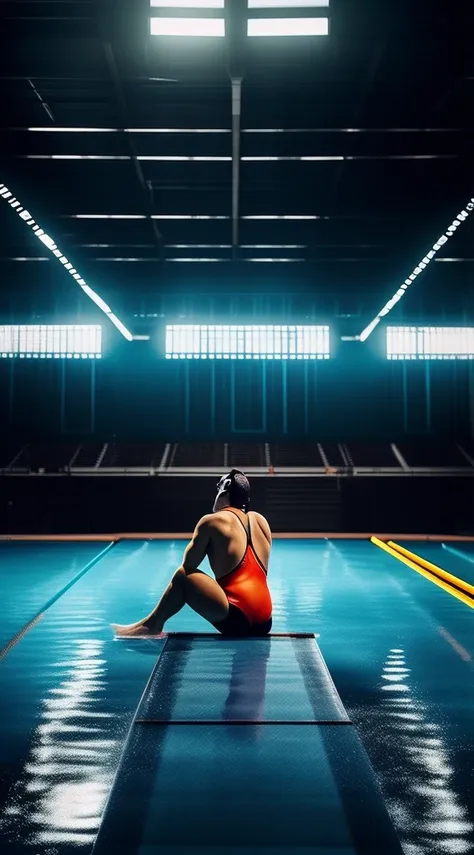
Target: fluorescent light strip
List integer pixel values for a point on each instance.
(461, 217)
(107, 216)
(197, 259)
(328, 158)
(195, 217)
(51, 341)
(247, 342)
(179, 157)
(73, 157)
(64, 130)
(351, 130)
(178, 130)
(6, 194)
(323, 158)
(430, 343)
(188, 27)
(288, 27)
(130, 130)
(86, 130)
(189, 217)
(273, 259)
(287, 4)
(187, 4)
(283, 217)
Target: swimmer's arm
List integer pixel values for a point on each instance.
(197, 548)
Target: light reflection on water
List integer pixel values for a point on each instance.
(435, 818)
(65, 781)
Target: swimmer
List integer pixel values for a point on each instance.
(238, 543)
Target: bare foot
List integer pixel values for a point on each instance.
(135, 630)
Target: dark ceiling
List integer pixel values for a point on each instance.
(368, 133)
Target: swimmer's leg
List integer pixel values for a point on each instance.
(191, 587)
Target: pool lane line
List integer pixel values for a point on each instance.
(433, 568)
(31, 623)
(469, 601)
(460, 650)
(458, 553)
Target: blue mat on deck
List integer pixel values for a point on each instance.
(239, 747)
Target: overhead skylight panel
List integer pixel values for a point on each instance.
(288, 27)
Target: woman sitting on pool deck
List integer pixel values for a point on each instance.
(237, 543)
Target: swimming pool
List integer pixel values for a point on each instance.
(400, 651)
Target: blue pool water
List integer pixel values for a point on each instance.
(400, 651)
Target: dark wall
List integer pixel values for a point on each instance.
(42, 505)
(147, 397)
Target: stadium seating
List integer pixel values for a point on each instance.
(143, 454)
(198, 454)
(8, 452)
(242, 454)
(88, 454)
(429, 451)
(417, 452)
(370, 454)
(293, 454)
(333, 454)
(50, 457)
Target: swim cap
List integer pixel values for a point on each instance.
(234, 490)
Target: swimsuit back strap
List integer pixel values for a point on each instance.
(247, 531)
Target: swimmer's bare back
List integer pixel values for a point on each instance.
(228, 540)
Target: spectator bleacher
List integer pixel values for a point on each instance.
(129, 454)
(242, 454)
(55, 457)
(50, 457)
(371, 454)
(430, 451)
(295, 454)
(333, 454)
(8, 452)
(198, 454)
(88, 454)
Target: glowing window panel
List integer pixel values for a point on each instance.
(430, 342)
(288, 27)
(187, 27)
(236, 341)
(51, 340)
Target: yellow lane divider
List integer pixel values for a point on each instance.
(431, 576)
(433, 568)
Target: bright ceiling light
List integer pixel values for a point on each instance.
(194, 27)
(189, 217)
(187, 4)
(288, 27)
(56, 130)
(287, 4)
(48, 242)
(418, 269)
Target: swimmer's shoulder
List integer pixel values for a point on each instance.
(262, 523)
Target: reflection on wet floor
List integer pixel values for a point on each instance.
(437, 821)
